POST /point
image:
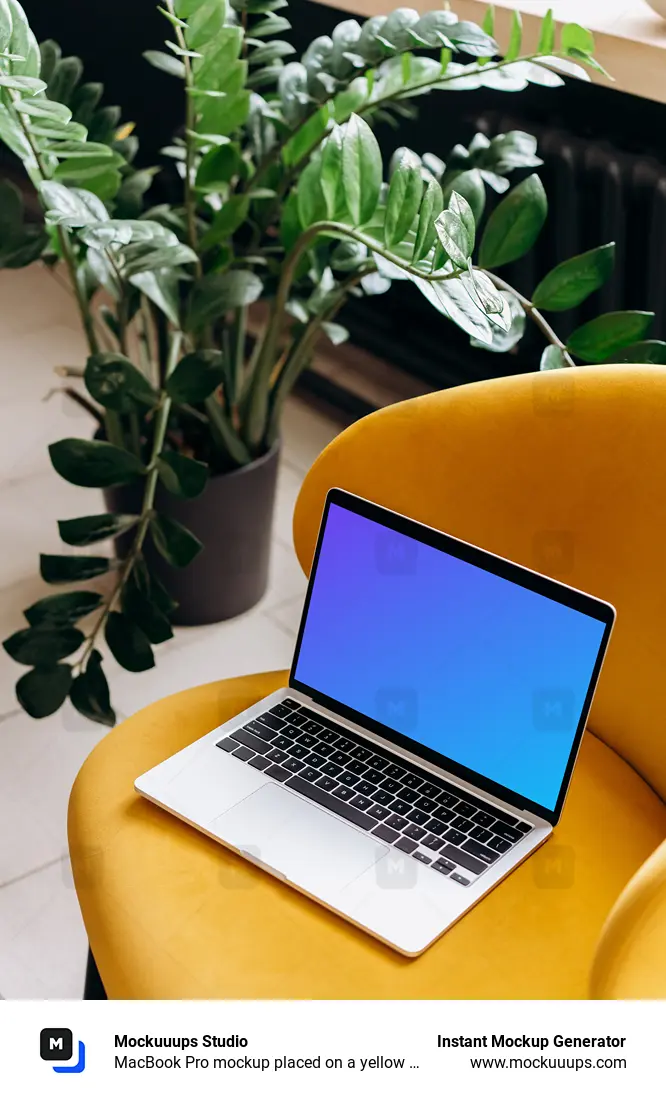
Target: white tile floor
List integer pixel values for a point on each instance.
(42, 939)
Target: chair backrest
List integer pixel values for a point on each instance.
(563, 471)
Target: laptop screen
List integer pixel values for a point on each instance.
(486, 672)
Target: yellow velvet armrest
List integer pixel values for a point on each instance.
(630, 961)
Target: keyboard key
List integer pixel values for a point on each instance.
(326, 783)
(315, 760)
(433, 842)
(331, 769)
(379, 763)
(299, 751)
(384, 833)
(436, 827)
(485, 854)
(341, 758)
(400, 807)
(243, 753)
(418, 816)
(261, 731)
(446, 799)
(394, 772)
(455, 877)
(391, 785)
(463, 824)
(383, 797)
(251, 740)
(307, 739)
(271, 721)
(464, 859)
(345, 793)
(426, 804)
(291, 704)
(380, 812)
(279, 710)
(348, 778)
(282, 742)
(373, 776)
(430, 790)
(297, 719)
(260, 763)
(498, 844)
(454, 836)
(408, 795)
(443, 814)
(357, 767)
(465, 809)
(505, 831)
(311, 774)
(406, 845)
(365, 788)
(443, 866)
(312, 727)
(293, 765)
(483, 819)
(330, 802)
(361, 802)
(291, 731)
(276, 772)
(228, 744)
(359, 753)
(412, 781)
(415, 832)
(397, 822)
(323, 749)
(422, 858)
(344, 744)
(327, 736)
(482, 835)
(523, 827)
(278, 756)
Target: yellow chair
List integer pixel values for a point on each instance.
(564, 472)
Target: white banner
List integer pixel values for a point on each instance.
(393, 1050)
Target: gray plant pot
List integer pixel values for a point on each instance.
(233, 519)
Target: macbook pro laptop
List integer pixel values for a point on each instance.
(425, 743)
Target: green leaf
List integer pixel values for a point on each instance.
(182, 476)
(218, 292)
(162, 289)
(43, 690)
(451, 299)
(292, 88)
(431, 207)
(93, 463)
(43, 645)
(470, 185)
(227, 220)
(331, 172)
(307, 136)
(141, 609)
(552, 358)
(514, 224)
(206, 24)
(361, 170)
(175, 543)
(44, 108)
(546, 43)
(575, 37)
(195, 377)
(64, 609)
(166, 62)
(219, 166)
(128, 643)
(337, 334)
(269, 52)
(22, 84)
(455, 228)
(515, 38)
(504, 339)
(113, 380)
(312, 206)
(403, 201)
(70, 206)
(572, 281)
(646, 351)
(91, 529)
(488, 21)
(89, 693)
(65, 568)
(603, 336)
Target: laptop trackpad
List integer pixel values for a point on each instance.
(305, 844)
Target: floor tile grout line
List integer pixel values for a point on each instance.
(34, 871)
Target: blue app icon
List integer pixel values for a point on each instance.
(56, 1044)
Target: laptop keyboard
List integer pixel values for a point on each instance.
(435, 822)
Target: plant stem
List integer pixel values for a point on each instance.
(190, 123)
(534, 314)
(161, 420)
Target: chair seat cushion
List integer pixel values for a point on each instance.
(172, 914)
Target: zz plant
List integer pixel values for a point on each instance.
(283, 197)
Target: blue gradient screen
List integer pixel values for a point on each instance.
(478, 668)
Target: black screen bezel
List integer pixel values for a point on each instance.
(588, 605)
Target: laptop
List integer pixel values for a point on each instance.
(425, 743)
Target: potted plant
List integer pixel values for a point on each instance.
(283, 198)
